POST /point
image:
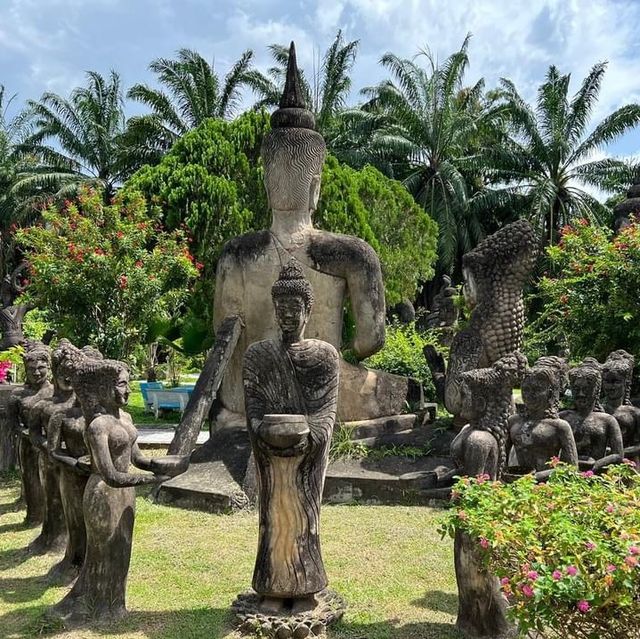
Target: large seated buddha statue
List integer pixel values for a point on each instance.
(340, 269)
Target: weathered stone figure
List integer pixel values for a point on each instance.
(597, 434)
(291, 389)
(628, 209)
(11, 315)
(53, 536)
(66, 446)
(495, 273)
(339, 267)
(540, 434)
(617, 376)
(486, 396)
(37, 364)
(444, 312)
(102, 386)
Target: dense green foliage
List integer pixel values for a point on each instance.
(78, 140)
(402, 354)
(567, 552)
(195, 93)
(424, 127)
(211, 181)
(106, 274)
(590, 295)
(547, 164)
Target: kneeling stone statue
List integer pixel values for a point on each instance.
(291, 393)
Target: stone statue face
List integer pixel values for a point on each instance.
(614, 385)
(36, 371)
(63, 379)
(469, 288)
(121, 389)
(291, 315)
(584, 393)
(287, 191)
(536, 393)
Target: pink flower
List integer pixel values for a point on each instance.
(504, 581)
(590, 545)
(484, 542)
(610, 508)
(634, 550)
(462, 515)
(554, 461)
(629, 462)
(481, 479)
(583, 606)
(611, 568)
(533, 575)
(557, 575)
(572, 571)
(631, 561)
(588, 473)
(527, 591)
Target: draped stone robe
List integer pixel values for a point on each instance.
(298, 379)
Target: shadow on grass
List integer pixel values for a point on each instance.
(438, 601)
(203, 623)
(15, 527)
(22, 589)
(391, 630)
(13, 557)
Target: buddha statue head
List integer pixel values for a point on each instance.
(585, 381)
(293, 299)
(37, 363)
(293, 152)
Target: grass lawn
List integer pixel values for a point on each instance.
(187, 567)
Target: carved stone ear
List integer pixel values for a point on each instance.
(314, 192)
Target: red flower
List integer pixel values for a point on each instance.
(139, 264)
(119, 235)
(123, 281)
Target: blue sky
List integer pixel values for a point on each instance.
(48, 44)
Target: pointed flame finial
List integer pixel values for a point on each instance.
(292, 112)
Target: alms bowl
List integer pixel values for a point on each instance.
(283, 431)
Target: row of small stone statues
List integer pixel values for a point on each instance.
(602, 428)
(75, 447)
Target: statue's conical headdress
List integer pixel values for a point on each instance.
(292, 281)
(292, 111)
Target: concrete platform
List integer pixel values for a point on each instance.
(215, 480)
(161, 437)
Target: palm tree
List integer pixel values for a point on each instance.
(548, 162)
(424, 127)
(325, 93)
(78, 140)
(195, 93)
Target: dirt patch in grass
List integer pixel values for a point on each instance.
(187, 567)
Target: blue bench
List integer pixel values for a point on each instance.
(145, 387)
(168, 399)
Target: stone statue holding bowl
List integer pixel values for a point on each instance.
(291, 393)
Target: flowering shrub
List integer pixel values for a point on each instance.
(5, 366)
(106, 274)
(567, 552)
(590, 295)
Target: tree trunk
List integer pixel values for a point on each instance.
(481, 605)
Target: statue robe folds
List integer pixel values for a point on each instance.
(295, 379)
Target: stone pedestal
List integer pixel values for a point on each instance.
(8, 437)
